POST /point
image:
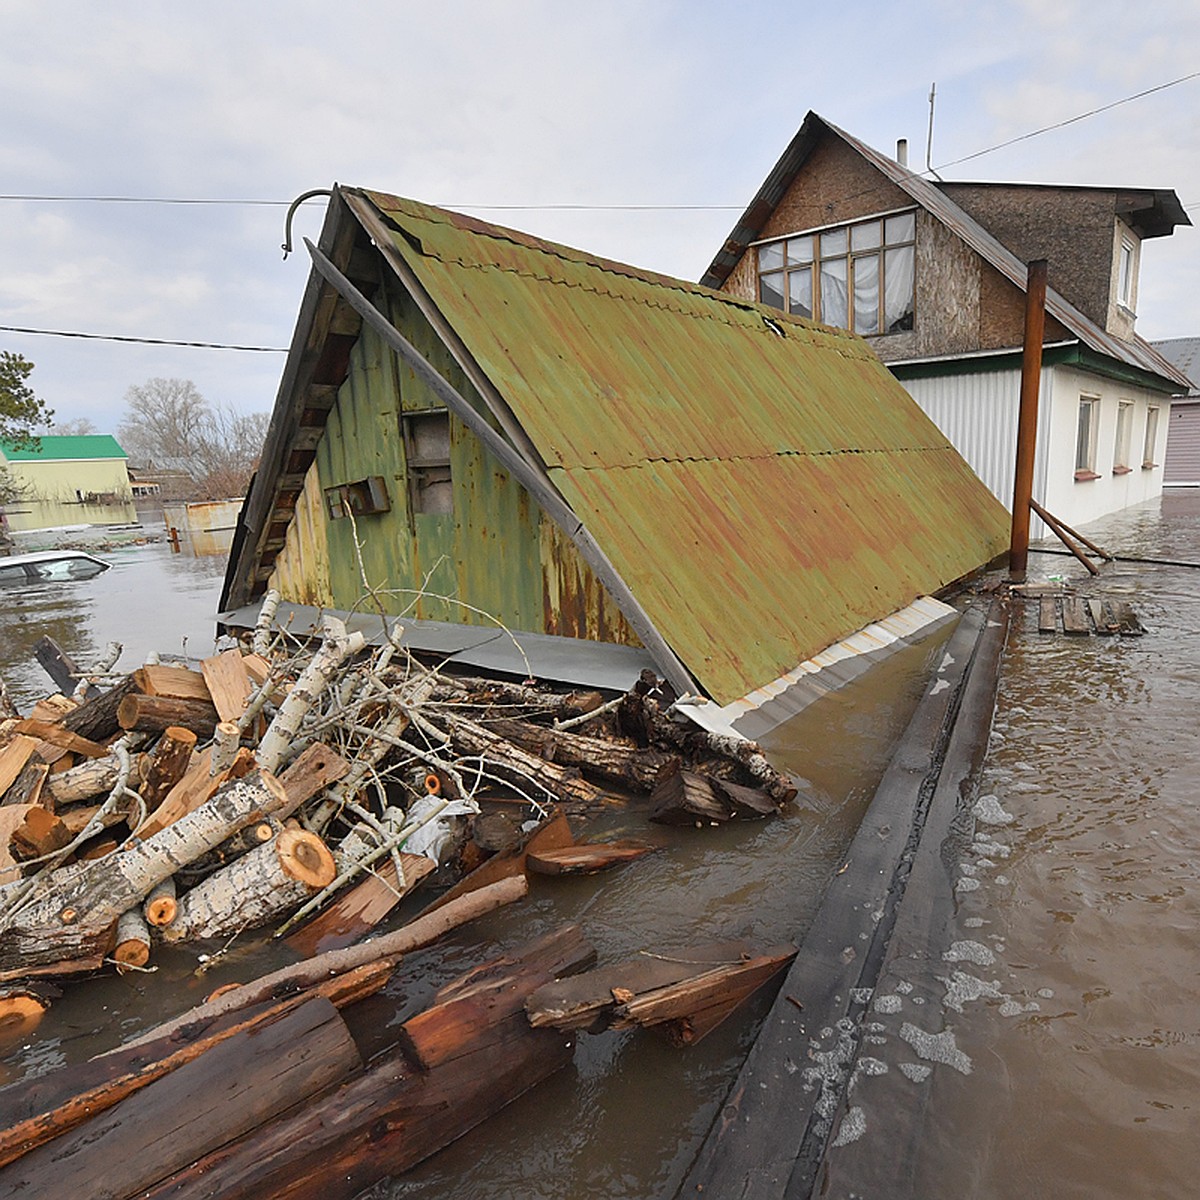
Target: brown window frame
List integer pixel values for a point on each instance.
(782, 273)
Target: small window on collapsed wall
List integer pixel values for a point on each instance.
(358, 499)
(1085, 438)
(1125, 274)
(427, 447)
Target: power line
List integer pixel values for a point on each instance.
(116, 337)
(1069, 121)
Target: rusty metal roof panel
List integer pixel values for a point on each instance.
(762, 483)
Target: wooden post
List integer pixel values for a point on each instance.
(1031, 371)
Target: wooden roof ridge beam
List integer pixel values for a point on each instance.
(525, 472)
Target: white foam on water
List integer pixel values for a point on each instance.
(1014, 1008)
(989, 811)
(904, 987)
(872, 1066)
(916, 1072)
(966, 884)
(974, 922)
(853, 1126)
(936, 1047)
(940, 686)
(887, 1004)
(967, 868)
(1046, 993)
(972, 952)
(962, 988)
(985, 863)
(983, 844)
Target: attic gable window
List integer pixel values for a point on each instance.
(427, 447)
(1125, 274)
(857, 276)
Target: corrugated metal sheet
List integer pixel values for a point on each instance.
(1185, 354)
(1136, 352)
(1181, 466)
(762, 483)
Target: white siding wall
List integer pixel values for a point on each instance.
(978, 414)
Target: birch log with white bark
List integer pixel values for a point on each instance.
(255, 889)
(70, 914)
(333, 651)
(262, 627)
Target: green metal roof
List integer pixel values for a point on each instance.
(762, 483)
(53, 446)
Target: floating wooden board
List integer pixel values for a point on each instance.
(585, 859)
(1047, 615)
(1075, 619)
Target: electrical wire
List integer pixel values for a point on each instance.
(145, 341)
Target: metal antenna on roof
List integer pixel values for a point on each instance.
(291, 212)
(929, 136)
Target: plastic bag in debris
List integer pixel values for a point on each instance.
(436, 817)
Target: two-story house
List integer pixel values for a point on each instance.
(933, 274)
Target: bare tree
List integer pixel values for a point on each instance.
(163, 421)
(169, 423)
(76, 427)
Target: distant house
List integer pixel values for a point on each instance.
(623, 462)
(1181, 466)
(932, 274)
(61, 480)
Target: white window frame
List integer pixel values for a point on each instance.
(1085, 463)
(1126, 262)
(1124, 438)
(1150, 439)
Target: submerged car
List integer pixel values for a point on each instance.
(50, 566)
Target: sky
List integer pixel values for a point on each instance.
(636, 129)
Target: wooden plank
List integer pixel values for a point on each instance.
(231, 1090)
(1096, 612)
(686, 798)
(52, 708)
(58, 664)
(588, 1000)
(228, 682)
(585, 859)
(359, 909)
(745, 802)
(1075, 621)
(13, 757)
(1047, 615)
(176, 683)
(1111, 624)
(56, 735)
(316, 768)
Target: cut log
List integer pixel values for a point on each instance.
(231, 1090)
(552, 834)
(161, 904)
(71, 912)
(22, 1007)
(313, 771)
(585, 859)
(155, 714)
(194, 789)
(687, 798)
(178, 683)
(132, 945)
(423, 931)
(93, 777)
(40, 833)
(263, 631)
(96, 718)
(168, 764)
(630, 766)
(12, 816)
(13, 757)
(359, 909)
(56, 735)
(27, 787)
(224, 747)
(696, 1006)
(76, 819)
(254, 889)
(588, 1002)
(379, 1124)
(746, 803)
(228, 683)
(52, 708)
(490, 993)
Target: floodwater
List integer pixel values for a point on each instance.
(1065, 997)
(149, 600)
(1070, 975)
(627, 1117)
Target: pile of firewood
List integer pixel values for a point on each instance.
(307, 786)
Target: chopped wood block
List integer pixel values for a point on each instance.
(51, 708)
(1047, 615)
(229, 685)
(1075, 620)
(586, 859)
(13, 757)
(56, 735)
(304, 856)
(359, 909)
(587, 1001)
(168, 764)
(176, 683)
(684, 798)
(257, 667)
(745, 802)
(27, 787)
(40, 833)
(155, 714)
(1128, 624)
(316, 768)
(193, 790)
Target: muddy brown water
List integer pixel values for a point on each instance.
(1084, 1066)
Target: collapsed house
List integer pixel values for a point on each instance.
(547, 463)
